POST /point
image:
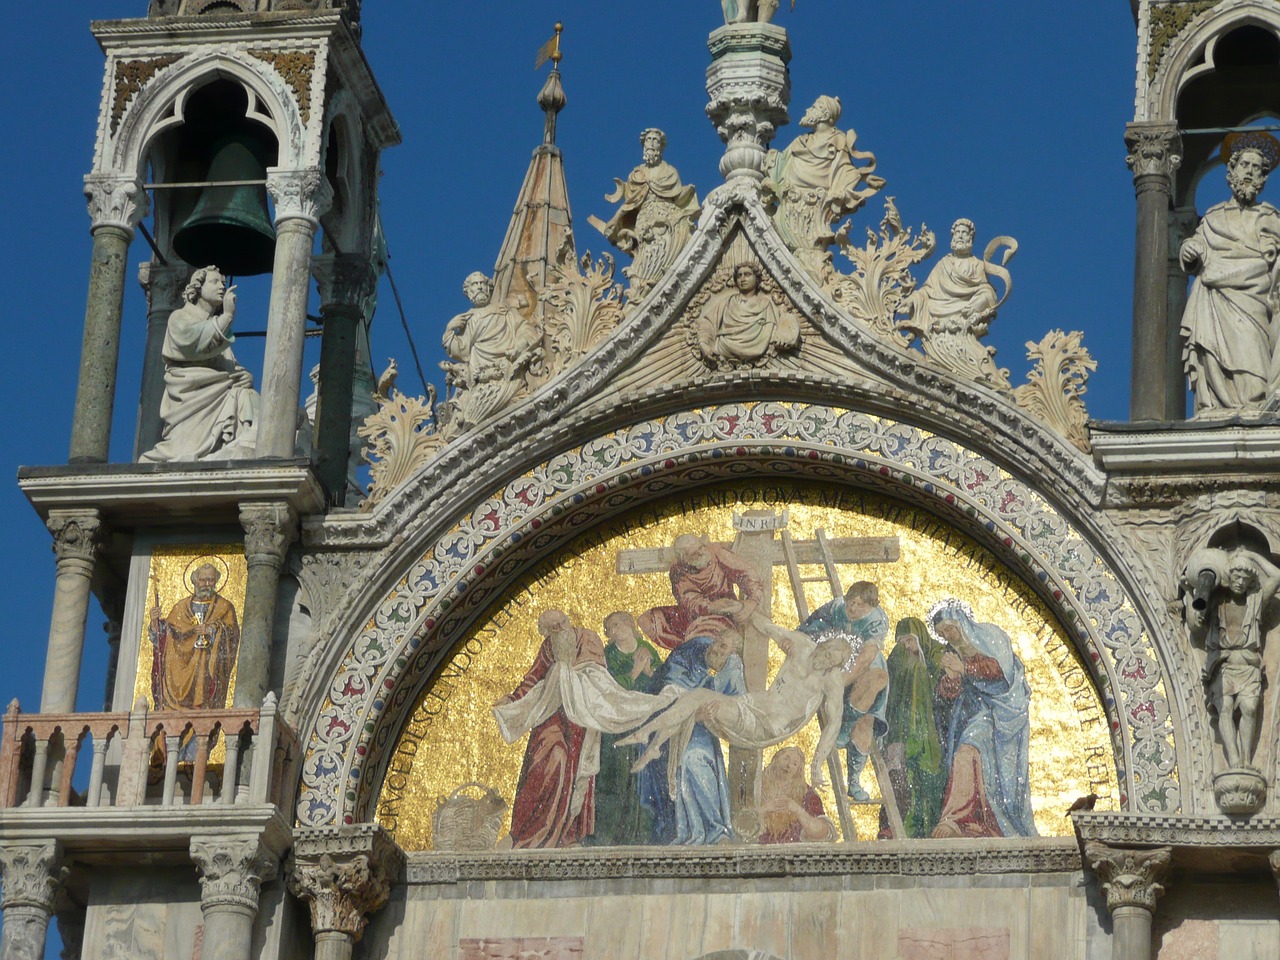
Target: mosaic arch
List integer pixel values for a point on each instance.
(385, 668)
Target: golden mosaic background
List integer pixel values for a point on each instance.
(168, 575)
(452, 738)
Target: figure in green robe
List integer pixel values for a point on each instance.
(621, 818)
(914, 751)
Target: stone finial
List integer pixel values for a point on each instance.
(232, 870)
(750, 88)
(345, 874)
(1130, 878)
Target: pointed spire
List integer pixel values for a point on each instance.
(542, 225)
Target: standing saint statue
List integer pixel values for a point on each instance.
(743, 324)
(954, 307)
(657, 215)
(751, 11)
(816, 182)
(1228, 327)
(195, 647)
(491, 349)
(209, 408)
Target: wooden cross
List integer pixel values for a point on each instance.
(756, 543)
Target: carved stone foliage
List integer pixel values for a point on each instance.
(77, 535)
(296, 67)
(741, 318)
(401, 435)
(344, 875)
(749, 88)
(269, 528)
(303, 194)
(1154, 149)
(504, 532)
(32, 875)
(130, 77)
(584, 305)
(114, 201)
(1130, 878)
(1057, 381)
(881, 280)
(232, 870)
(1168, 20)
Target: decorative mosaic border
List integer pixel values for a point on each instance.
(384, 666)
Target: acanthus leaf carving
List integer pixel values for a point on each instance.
(296, 68)
(232, 870)
(116, 201)
(584, 307)
(32, 875)
(1130, 878)
(1155, 149)
(299, 194)
(269, 528)
(401, 435)
(345, 874)
(77, 534)
(1168, 20)
(130, 77)
(1057, 382)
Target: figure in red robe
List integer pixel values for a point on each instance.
(554, 806)
(790, 809)
(713, 587)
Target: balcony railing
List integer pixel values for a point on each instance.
(144, 758)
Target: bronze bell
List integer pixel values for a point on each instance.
(230, 226)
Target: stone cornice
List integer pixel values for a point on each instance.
(114, 34)
(1125, 829)
(1188, 447)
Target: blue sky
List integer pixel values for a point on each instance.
(1007, 112)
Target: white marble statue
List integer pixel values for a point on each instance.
(954, 307)
(492, 348)
(210, 408)
(816, 182)
(1228, 327)
(1226, 596)
(743, 324)
(750, 11)
(657, 215)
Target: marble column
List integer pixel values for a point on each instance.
(1155, 152)
(269, 528)
(301, 197)
(346, 284)
(1132, 881)
(112, 602)
(77, 539)
(163, 284)
(71, 920)
(232, 871)
(32, 876)
(116, 206)
(1182, 224)
(344, 874)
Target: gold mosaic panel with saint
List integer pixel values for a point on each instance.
(668, 678)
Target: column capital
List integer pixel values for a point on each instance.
(77, 534)
(33, 874)
(163, 283)
(116, 201)
(232, 869)
(345, 874)
(1155, 149)
(1130, 878)
(269, 528)
(302, 194)
(347, 281)
(750, 88)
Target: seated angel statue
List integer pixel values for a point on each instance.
(812, 679)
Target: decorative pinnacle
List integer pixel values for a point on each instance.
(551, 98)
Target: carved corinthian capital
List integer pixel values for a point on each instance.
(1155, 149)
(345, 874)
(232, 869)
(299, 194)
(269, 528)
(115, 201)
(32, 875)
(78, 535)
(1130, 878)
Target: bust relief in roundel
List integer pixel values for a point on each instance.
(755, 663)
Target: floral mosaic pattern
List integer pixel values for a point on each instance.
(380, 672)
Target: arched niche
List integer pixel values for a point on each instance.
(374, 678)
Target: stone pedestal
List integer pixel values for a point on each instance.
(1132, 881)
(77, 539)
(301, 197)
(269, 528)
(232, 871)
(32, 875)
(1240, 791)
(1155, 151)
(344, 874)
(750, 88)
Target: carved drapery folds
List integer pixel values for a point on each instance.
(1130, 878)
(345, 875)
(232, 870)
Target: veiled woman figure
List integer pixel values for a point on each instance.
(989, 790)
(914, 751)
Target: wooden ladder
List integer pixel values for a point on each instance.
(839, 779)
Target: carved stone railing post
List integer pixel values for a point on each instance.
(232, 869)
(1155, 152)
(77, 539)
(163, 284)
(32, 875)
(346, 285)
(269, 528)
(301, 197)
(345, 874)
(750, 88)
(1132, 881)
(116, 207)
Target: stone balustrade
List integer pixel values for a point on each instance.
(143, 757)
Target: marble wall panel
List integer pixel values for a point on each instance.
(142, 915)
